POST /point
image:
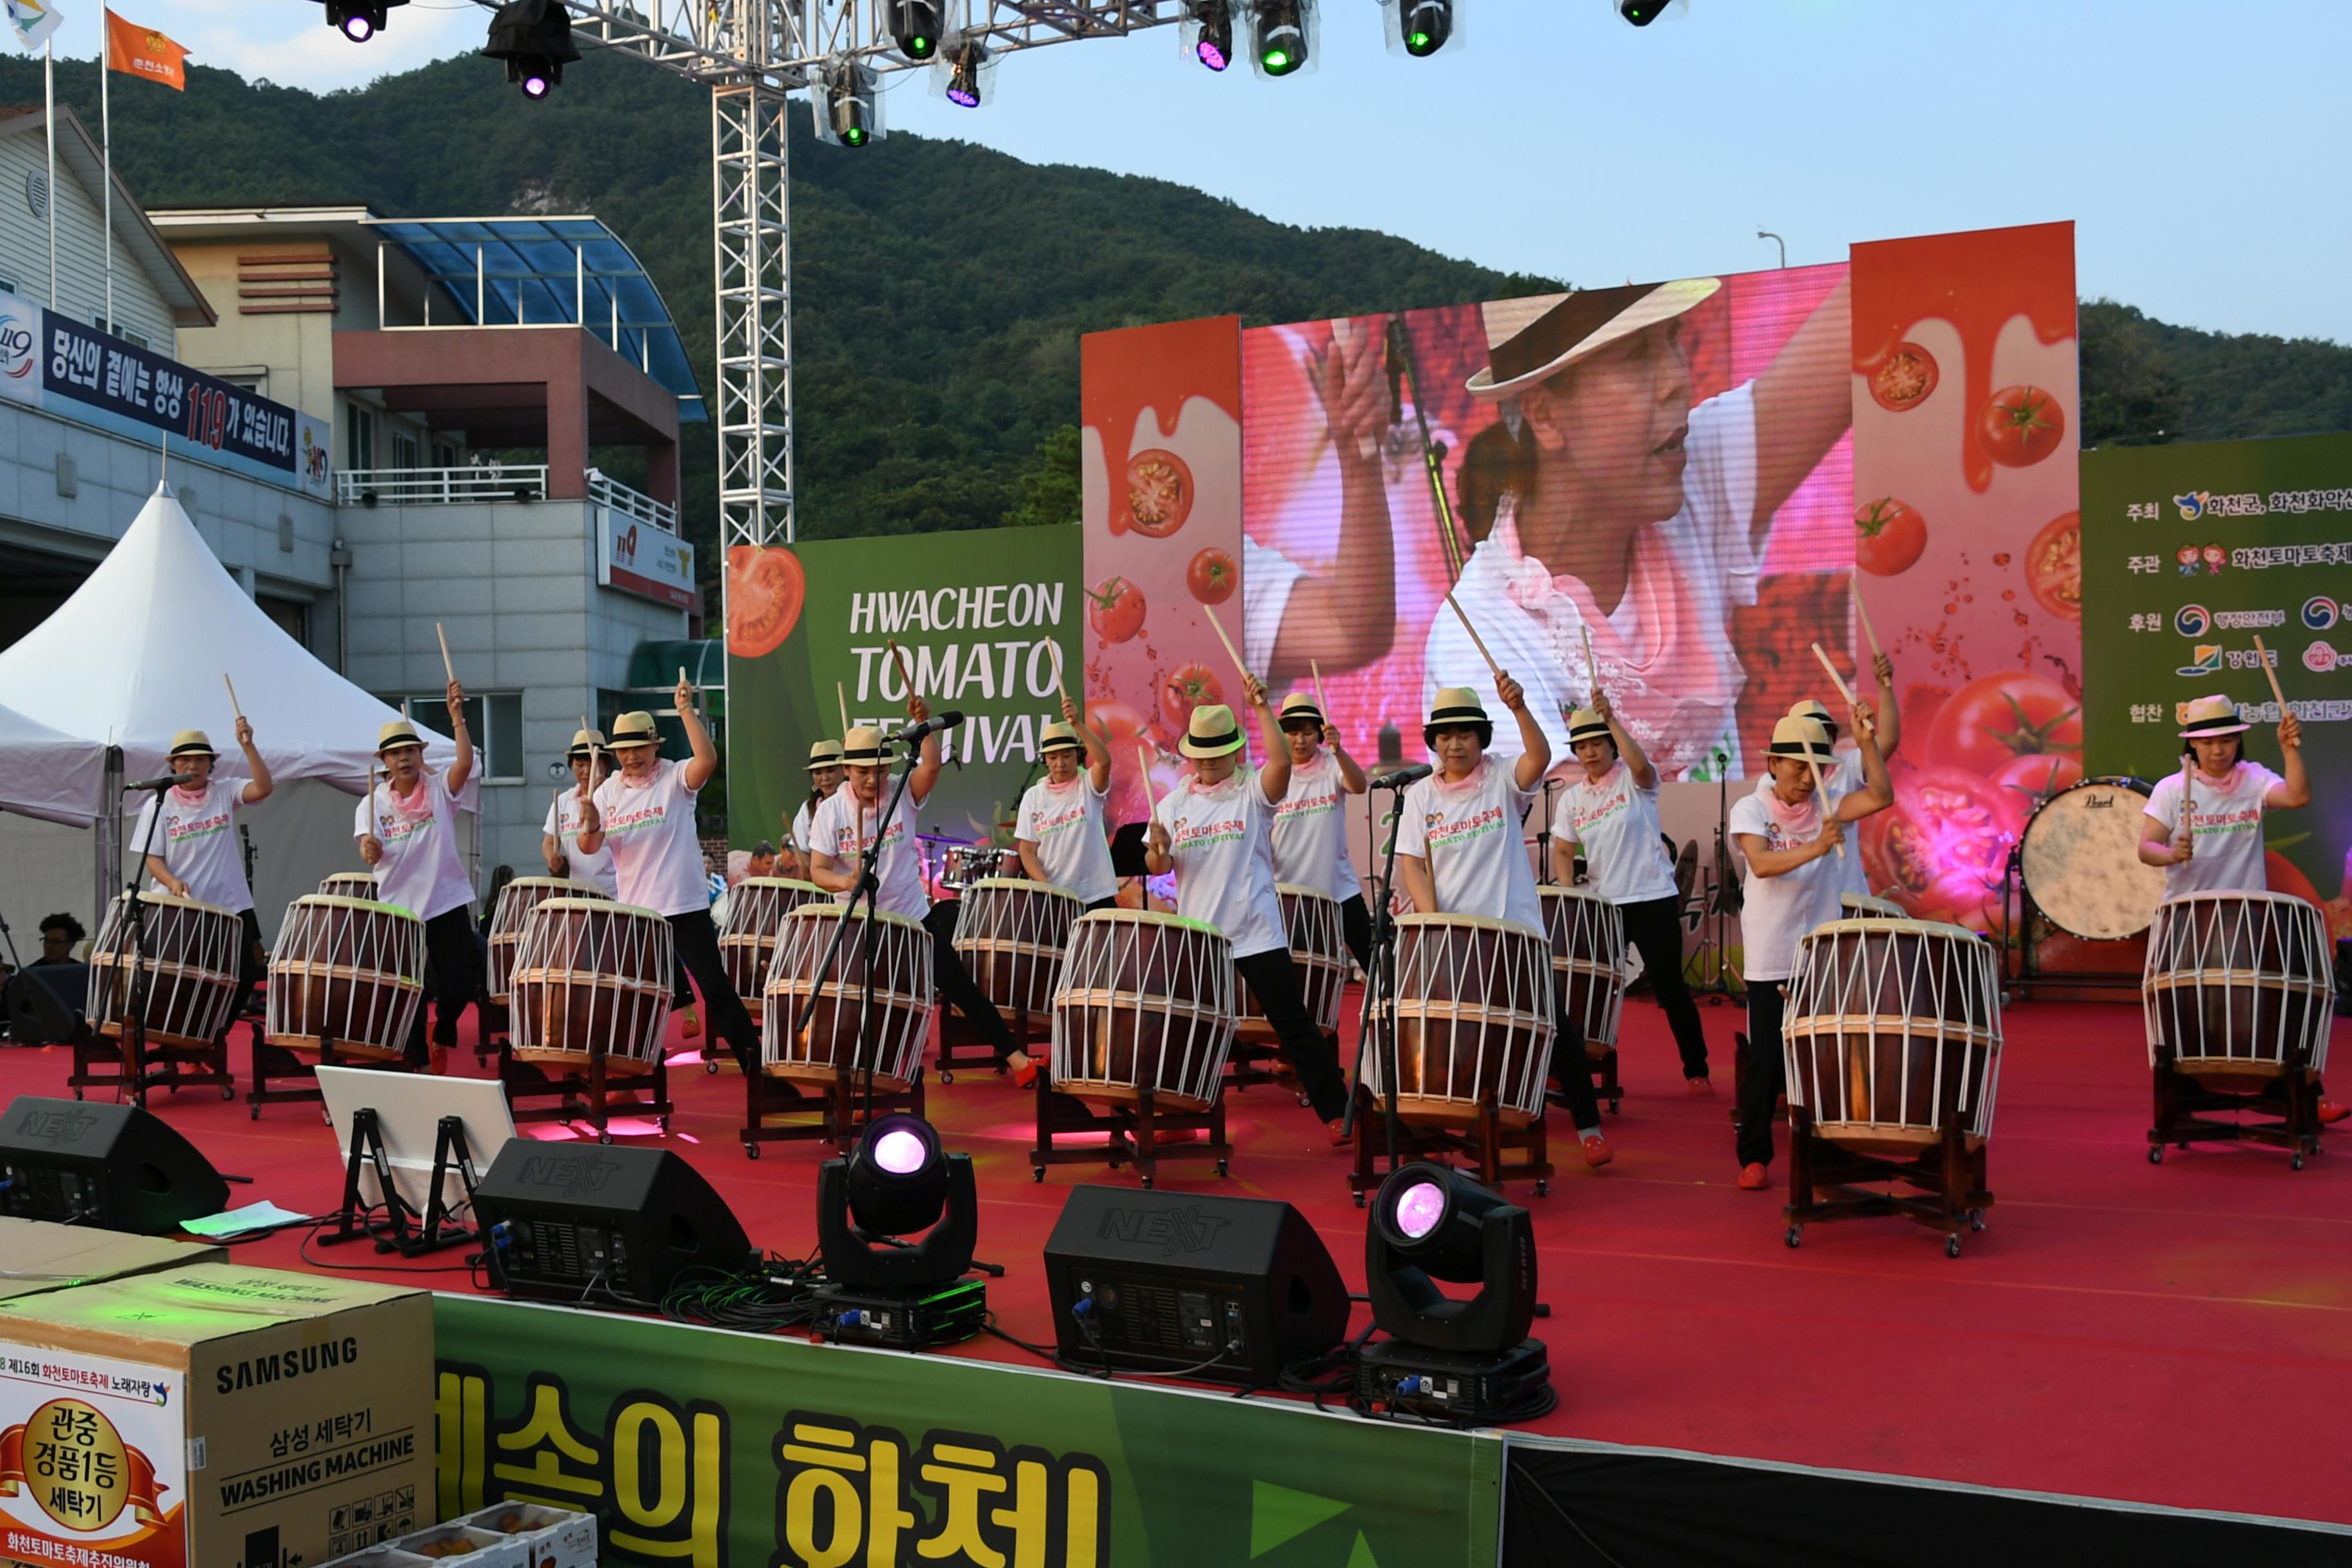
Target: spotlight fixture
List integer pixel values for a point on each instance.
(358, 19)
(1640, 13)
(914, 28)
(963, 80)
(845, 104)
(880, 1288)
(534, 38)
(1427, 24)
(1215, 46)
(1463, 1359)
(1279, 36)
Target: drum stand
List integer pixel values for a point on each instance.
(2289, 1105)
(1488, 1144)
(1134, 1132)
(1827, 1179)
(266, 1070)
(590, 1094)
(850, 1101)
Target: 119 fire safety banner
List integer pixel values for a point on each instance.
(728, 1450)
(982, 622)
(2189, 554)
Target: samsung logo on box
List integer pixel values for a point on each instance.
(257, 1372)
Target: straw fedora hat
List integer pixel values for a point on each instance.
(1059, 737)
(2214, 715)
(1532, 339)
(635, 729)
(397, 733)
(1456, 708)
(586, 743)
(1298, 705)
(825, 755)
(1212, 733)
(865, 746)
(1800, 737)
(1809, 709)
(1585, 724)
(192, 743)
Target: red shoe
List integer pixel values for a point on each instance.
(1754, 1178)
(691, 1028)
(1597, 1151)
(1701, 1085)
(2329, 1110)
(1341, 1136)
(1024, 1071)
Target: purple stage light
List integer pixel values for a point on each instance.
(900, 1152)
(1211, 56)
(1419, 1209)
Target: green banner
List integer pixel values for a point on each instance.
(2189, 554)
(719, 1450)
(983, 621)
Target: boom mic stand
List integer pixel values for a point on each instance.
(131, 936)
(1380, 990)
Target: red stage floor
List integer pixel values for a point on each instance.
(2177, 1335)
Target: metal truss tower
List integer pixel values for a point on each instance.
(750, 54)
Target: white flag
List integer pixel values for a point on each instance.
(32, 21)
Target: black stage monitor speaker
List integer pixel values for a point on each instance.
(578, 1222)
(1154, 1281)
(111, 1167)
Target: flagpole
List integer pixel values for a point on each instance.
(106, 148)
(49, 104)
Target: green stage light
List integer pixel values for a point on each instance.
(1281, 37)
(1427, 24)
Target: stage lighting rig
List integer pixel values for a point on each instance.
(965, 60)
(1210, 23)
(1640, 13)
(1463, 1361)
(1278, 33)
(914, 28)
(534, 38)
(881, 1289)
(846, 102)
(1427, 24)
(360, 20)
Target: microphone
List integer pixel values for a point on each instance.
(1402, 777)
(931, 726)
(161, 781)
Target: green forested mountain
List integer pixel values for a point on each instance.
(939, 288)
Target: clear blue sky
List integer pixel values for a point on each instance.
(2199, 145)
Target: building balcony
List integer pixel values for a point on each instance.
(477, 483)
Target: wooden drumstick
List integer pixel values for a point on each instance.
(899, 654)
(840, 695)
(2187, 815)
(1232, 652)
(1862, 611)
(232, 694)
(446, 668)
(1820, 793)
(1592, 671)
(1315, 669)
(2264, 654)
(1839, 681)
(1143, 757)
(1475, 640)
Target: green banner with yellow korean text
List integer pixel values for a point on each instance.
(717, 1450)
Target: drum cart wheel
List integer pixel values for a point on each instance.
(1795, 1235)
(2155, 1153)
(1829, 1181)
(947, 1075)
(1951, 1247)
(2294, 1161)
(750, 1150)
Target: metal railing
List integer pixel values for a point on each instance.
(480, 482)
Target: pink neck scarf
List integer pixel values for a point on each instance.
(188, 796)
(1801, 824)
(414, 807)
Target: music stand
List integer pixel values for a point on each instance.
(412, 1145)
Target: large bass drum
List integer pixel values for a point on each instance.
(512, 912)
(191, 962)
(1319, 951)
(1473, 1021)
(1146, 1001)
(812, 1024)
(593, 978)
(2240, 987)
(348, 972)
(756, 908)
(2080, 859)
(1010, 933)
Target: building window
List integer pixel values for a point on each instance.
(444, 454)
(116, 329)
(403, 449)
(7, 285)
(359, 440)
(495, 721)
(293, 618)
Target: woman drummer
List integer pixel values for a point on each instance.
(1460, 851)
(1610, 811)
(1215, 831)
(1310, 831)
(558, 843)
(1846, 777)
(824, 773)
(2218, 849)
(1788, 836)
(645, 813)
(1059, 828)
(408, 835)
(196, 854)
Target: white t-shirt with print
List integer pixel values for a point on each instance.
(1665, 650)
(1065, 824)
(421, 872)
(564, 824)
(1222, 840)
(843, 829)
(803, 826)
(1616, 821)
(1775, 911)
(657, 855)
(1846, 778)
(1470, 835)
(198, 842)
(2227, 822)
(1310, 831)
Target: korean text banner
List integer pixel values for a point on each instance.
(982, 622)
(2189, 552)
(726, 1450)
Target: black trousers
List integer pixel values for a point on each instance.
(453, 977)
(1654, 928)
(1356, 929)
(681, 993)
(1101, 904)
(1764, 1074)
(954, 982)
(252, 963)
(1566, 1066)
(1272, 977)
(696, 939)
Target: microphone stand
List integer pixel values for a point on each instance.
(131, 936)
(1380, 989)
(1543, 833)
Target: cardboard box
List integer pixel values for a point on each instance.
(37, 1255)
(381, 1557)
(461, 1543)
(551, 1537)
(214, 1416)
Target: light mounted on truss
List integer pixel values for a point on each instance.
(847, 103)
(1427, 24)
(914, 28)
(359, 20)
(534, 38)
(968, 64)
(1210, 24)
(1279, 35)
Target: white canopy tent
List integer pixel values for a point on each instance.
(47, 774)
(137, 654)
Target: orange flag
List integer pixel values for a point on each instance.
(144, 52)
